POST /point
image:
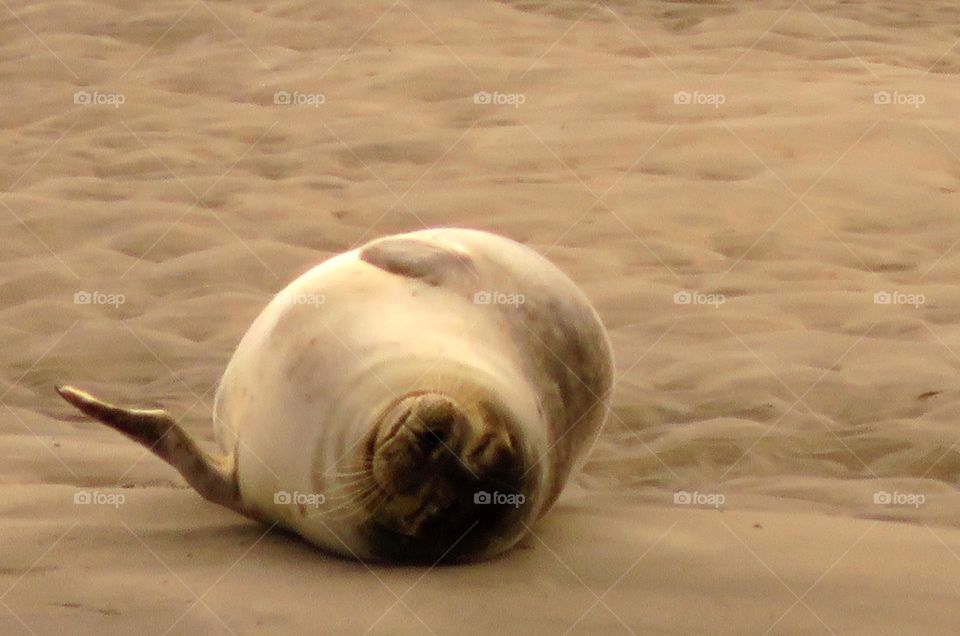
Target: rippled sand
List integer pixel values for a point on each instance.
(761, 199)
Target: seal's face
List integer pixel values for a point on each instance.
(447, 478)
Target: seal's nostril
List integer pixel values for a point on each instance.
(430, 439)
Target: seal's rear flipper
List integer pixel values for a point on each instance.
(214, 478)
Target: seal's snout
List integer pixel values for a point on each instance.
(416, 436)
(434, 435)
(434, 460)
(425, 436)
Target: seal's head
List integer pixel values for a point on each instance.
(447, 476)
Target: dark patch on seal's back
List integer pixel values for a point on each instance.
(568, 356)
(417, 258)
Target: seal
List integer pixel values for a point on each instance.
(422, 398)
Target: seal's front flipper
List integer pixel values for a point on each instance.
(413, 257)
(214, 478)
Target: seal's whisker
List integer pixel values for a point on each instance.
(370, 503)
(356, 503)
(348, 499)
(346, 490)
(341, 496)
(346, 481)
(330, 512)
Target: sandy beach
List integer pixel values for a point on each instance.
(761, 200)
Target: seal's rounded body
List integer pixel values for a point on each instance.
(423, 397)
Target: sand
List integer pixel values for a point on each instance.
(760, 198)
